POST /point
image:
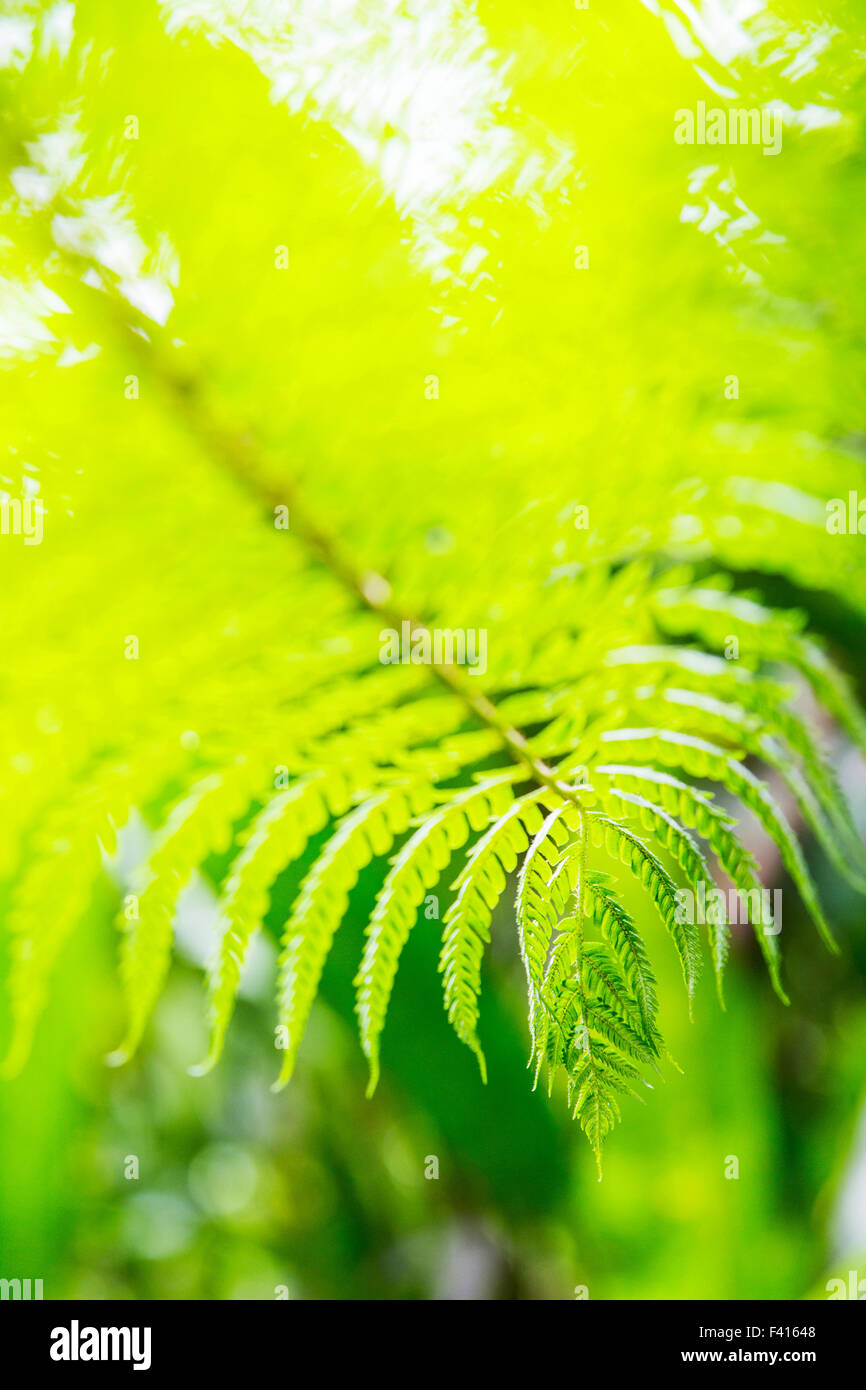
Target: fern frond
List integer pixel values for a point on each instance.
(702, 759)
(820, 803)
(760, 696)
(200, 825)
(467, 921)
(416, 870)
(597, 1073)
(714, 614)
(697, 812)
(63, 873)
(67, 856)
(584, 981)
(607, 983)
(611, 1023)
(261, 645)
(669, 834)
(627, 946)
(277, 837)
(543, 887)
(630, 850)
(366, 833)
(593, 1011)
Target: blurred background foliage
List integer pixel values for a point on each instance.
(431, 169)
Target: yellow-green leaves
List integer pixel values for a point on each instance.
(201, 824)
(416, 870)
(479, 887)
(277, 837)
(368, 832)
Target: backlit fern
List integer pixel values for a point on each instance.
(639, 694)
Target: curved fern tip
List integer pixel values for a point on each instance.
(286, 1073)
(202, 1068)
(212, 1056)
(780, 992)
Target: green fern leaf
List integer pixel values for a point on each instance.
(627, 947)
(702, 759)
(277, 838)
(415, 871)
(467, 921)
(715, 615)
(366, 833)
(631, 851)
(668, 833)
(201, 824)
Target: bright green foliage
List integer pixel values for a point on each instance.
(282, 381)
(416, 870)
(620, 843)
(478, 888)
(200, 825)
(369, 831)
(278, 837)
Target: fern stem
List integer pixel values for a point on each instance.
(240, 455)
